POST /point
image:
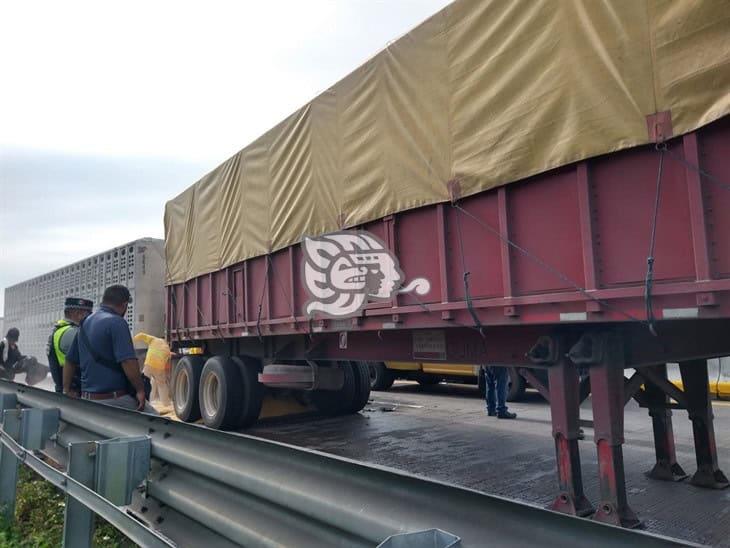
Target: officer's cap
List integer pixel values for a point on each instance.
(82, 304)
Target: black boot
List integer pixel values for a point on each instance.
(507, 415)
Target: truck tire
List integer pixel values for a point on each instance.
(381, 378)
(362, 386)
(185, 383)
(349, 398)
(220, 393)
(253, 391)
(517, 386)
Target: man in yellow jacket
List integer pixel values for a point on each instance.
(157, 367)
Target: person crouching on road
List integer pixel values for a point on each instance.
(59, 343)
(157, 368)
(10, 355)
(496, 381)
(103, 349)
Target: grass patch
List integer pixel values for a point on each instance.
(39, 513)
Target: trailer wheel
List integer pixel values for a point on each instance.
(220, 393)
(381, 378)
(362, 386)
(185, 383)
(517, 386)
(351, 398)
(253, 391)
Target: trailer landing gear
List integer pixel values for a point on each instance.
(695, 398)
(699, 408)
(564, 403)
(602, 354)
(666, 468)
(607, 382)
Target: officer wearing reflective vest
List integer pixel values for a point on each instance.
(64, 332)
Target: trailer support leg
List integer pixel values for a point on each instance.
(564, 409)
(699, 408)
(607, 385)
(666, 468)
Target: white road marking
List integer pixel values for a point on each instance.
(397, 404)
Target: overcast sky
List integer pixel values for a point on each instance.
(108, 109)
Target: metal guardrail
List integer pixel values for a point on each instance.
(225, 489)
(25, 430)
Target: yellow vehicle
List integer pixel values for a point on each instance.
(383, 374)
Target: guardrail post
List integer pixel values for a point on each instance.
(78, 520)
(37, 426)
(8, 401)
(113, 468)
(121, 465)
(9, 466)
(31, 428)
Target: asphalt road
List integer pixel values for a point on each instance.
(443, 432)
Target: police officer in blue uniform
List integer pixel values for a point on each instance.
(63, 334)
(103, 349)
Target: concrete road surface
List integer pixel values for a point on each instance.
(443, 432)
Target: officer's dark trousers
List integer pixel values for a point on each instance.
(497, 384)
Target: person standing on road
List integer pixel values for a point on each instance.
(103, 349)
(496, 381)
(64, 332)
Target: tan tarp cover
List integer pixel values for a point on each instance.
(485, 92)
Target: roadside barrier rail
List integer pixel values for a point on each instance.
(166, 483)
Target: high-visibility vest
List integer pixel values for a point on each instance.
(61, 327)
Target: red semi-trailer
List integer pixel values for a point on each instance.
(616, 259)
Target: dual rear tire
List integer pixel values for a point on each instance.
(185, 383)
(230, 395)
(381, 378)
(223, 391)
(353, 395)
